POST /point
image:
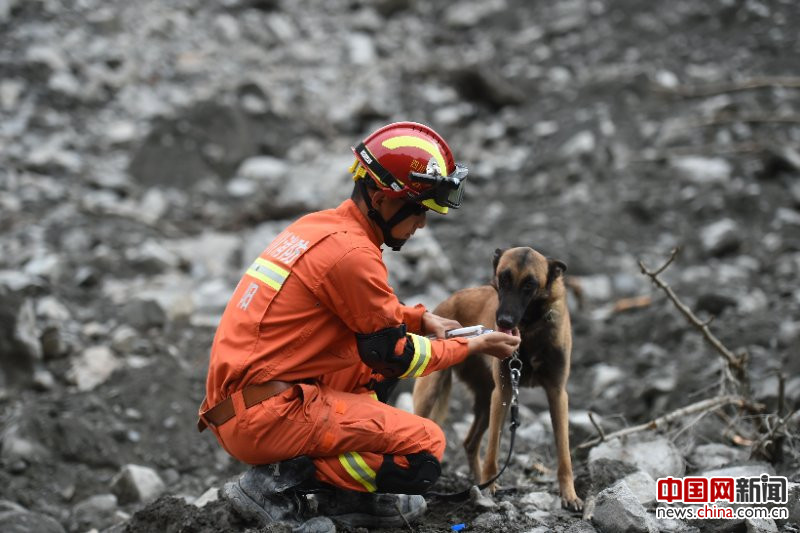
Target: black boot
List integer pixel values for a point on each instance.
(266, 494)
(365, 509)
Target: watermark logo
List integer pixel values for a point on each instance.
(751, 490)
(742, 497)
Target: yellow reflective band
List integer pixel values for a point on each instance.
(268, 272)
(359, 470)
(422, 356)
(427, 349)
(272, 266)
(416, 142)
(414, 360)
(432, 205)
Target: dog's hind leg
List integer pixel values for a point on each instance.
(432, 394)
(472, 442)
(558, 401)
(442, 404)
(500, 404)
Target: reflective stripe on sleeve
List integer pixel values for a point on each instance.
(268, 272)
(422, 356)
(359, 470)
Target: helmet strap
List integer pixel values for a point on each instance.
(386, 227)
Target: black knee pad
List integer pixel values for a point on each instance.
(423, 471)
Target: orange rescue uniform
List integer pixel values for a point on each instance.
(294, 317)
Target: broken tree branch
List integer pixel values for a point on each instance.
(735, 363)
(597, 427)
(735, 149)
(784, 82)
(660, 422)
(730, 118)
(769, 444)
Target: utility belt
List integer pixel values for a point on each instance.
(252, 395)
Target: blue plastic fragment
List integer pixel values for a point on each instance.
(458, 527)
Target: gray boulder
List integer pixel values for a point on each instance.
(617, 510)
(658, 457)
(98, 511)
(135, 483)
(714, 455)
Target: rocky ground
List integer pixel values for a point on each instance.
(151, 149)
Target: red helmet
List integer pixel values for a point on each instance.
(410, 160)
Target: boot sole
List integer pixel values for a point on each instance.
(354, 520)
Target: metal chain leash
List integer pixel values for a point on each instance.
(515, 372)
(515, 369)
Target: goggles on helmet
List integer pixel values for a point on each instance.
(446, 191)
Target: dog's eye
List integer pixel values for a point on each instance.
(529, 286)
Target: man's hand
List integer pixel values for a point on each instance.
(496, 344)
(437, 325)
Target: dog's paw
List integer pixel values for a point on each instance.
(572, 503)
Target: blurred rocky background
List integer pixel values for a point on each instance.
(150, 149)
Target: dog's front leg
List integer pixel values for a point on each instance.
(501, 401)
(558, 401)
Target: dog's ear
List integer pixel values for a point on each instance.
(498, 252)
(555, 269)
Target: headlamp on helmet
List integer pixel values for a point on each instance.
(446, 191)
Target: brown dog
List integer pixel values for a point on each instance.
(528, 294)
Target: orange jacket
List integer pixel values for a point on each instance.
(295, 312)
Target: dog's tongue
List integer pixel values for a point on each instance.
(504, 330)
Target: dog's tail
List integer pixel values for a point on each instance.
(574, 284)
(432, 395)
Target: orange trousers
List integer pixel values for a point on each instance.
(346, 434)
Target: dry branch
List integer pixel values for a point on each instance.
(634, 302)
(729, 118)
(597, 427)
(769, 444)
(750, 147)
(660, 422)
(735, 363)
(784, 82)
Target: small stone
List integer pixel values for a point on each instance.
(702, 170)
(93, 367)
(211, 495)
(721, 237)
